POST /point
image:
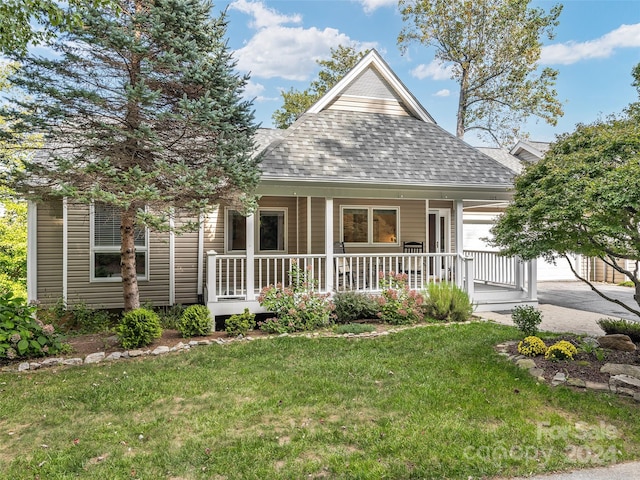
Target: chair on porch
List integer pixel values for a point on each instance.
(342, 267)
(415, 265)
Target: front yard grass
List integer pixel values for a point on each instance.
(433, 402)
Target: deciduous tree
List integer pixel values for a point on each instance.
(492, 48)
(582, 197)
(142, 111)
(296, 102)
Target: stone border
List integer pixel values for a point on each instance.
(623, 376)
(99, 357)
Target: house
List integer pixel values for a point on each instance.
(366, 168)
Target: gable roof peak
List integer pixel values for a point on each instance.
(374, 61)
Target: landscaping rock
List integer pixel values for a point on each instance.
(559, 378)
(576, 382)
(526, 363)
(602, 387)
(624, 381)
(160, 350)
(536, 372)
(94, 357)
(52, 362)
(34, 366)
(23, 366)
(135, 353)
(72, 361)
(114, 356)
(617, 341)
(621, 369)
(193, 343)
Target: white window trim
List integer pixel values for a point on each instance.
(256, 216)
(116, 249)
(370, 209)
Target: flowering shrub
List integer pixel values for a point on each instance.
(21, 334)
(532, 346)
(562, 350)
(296, 307)
(398, 304)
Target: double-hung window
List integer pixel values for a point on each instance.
(370, 225)
(105, 245)
(271, 231)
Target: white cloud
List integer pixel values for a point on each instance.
(288, 52)
(372, 5)
(442, 93)
(567, 53)
(435, 70)
(263, 17)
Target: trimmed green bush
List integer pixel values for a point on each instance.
(352, 306)
(355, 328)
(240, 324)
(527, 319)
(446, 301)
(622, 326)
(196, 321)
(138, 328)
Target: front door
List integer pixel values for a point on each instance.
(439, 233)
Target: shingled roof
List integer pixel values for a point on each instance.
(370, 129)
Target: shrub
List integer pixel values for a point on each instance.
(240, 324)
(297, 307)
(532, 346)
(398, 304)
(446, 301)
(625, 327)
(170, 316)
(196, 321)
(138, 328)
(355, 328)
(21, 334)
(527, 319)
(78, 318)
(562, 350)
(352, 306)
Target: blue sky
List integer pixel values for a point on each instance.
(597, 44)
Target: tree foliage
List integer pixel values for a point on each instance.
(582, 197)
(492, 47)
(296, 102)
(143, 111)
(18, 17)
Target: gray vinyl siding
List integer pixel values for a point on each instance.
(186, 267)
(155, 290)
(49, 248)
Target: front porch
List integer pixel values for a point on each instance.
(492, 282)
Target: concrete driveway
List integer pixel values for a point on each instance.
(579, 296)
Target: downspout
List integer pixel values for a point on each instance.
(172, 261)
(65, 250)
(200, 289)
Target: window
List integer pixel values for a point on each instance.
(370, 225)
(105, 245)
(271, 232)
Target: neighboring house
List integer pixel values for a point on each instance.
(366, 167)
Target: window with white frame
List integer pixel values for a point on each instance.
(271, 233)
(370, 225)
(105, 245)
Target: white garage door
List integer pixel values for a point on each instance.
(474, 232)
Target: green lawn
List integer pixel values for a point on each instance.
(434, 402)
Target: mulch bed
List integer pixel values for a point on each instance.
(585, 366)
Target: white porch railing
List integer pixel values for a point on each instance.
(494, 269)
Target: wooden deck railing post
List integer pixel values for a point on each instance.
(250, 263)
(532, 280)
(212, 289)
(468, 276)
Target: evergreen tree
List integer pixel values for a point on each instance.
(143, 112)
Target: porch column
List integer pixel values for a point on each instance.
(250, 266)
(518, 273)
(459, 242)
(328, 242)
(212, 288)
(532, 279)
(468, 277)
